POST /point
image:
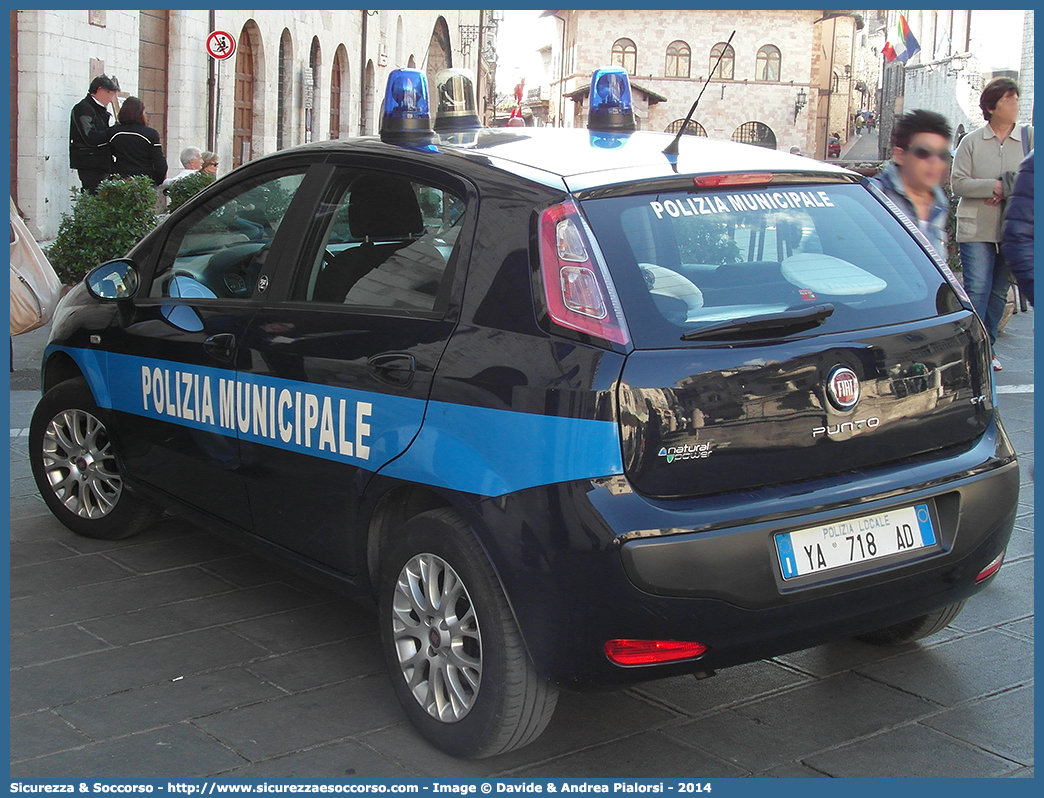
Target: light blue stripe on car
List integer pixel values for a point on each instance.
(459, 447)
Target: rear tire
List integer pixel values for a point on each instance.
(75, 467)
(914, 629)
(454, 653)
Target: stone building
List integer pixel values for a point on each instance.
(868, 62)
(296, 76)
(785, 80)
(961, 51)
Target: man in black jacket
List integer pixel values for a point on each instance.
(89, 152)
(1017, 234)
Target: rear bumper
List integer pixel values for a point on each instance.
(736, 601)
(739, 565)
(583, 563)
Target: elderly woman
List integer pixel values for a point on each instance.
(210, 164)
(983, 169)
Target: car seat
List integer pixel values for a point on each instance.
(382, 211)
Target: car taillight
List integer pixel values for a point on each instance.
(990, 569)
(651, 652)
(577, 287)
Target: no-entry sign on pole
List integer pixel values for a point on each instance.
(221, 45)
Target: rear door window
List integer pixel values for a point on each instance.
(382, 242)
(682, 261)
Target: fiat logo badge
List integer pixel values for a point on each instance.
(843, 388)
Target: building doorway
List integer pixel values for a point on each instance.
(152, 72)
(249, 62)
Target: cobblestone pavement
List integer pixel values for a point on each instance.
(175, 654)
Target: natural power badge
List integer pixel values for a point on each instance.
(687, 451)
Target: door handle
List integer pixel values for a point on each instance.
(393, 368)
(221, 346)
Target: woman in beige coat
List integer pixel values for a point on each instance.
(984, 157)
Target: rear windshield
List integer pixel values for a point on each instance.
(682, 261)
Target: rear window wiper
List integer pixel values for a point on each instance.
(787, 322)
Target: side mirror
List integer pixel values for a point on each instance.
(114, 279)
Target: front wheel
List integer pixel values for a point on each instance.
(75, 467)
(454, 652)
(914, 629)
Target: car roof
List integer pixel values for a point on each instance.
(577, 159)
(587, 159)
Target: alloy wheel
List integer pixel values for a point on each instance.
(79, 464)
(437, 637)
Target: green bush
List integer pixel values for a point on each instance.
(102, 226)
(185, 188)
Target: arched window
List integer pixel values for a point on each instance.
(315, 63)
(694, 128)
(412, 62)
(768, 63)
(727, 69)
(625, 54)
(339, 93)
(835, 83)
(440, 50)
(398, 41)
(678, 59)
(285, 90)
(366, 127)
(755, 133)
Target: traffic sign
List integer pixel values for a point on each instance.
(221, 45)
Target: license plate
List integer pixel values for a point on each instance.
(853, 540)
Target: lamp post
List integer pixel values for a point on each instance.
(800, 102)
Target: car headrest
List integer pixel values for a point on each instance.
(383, 207)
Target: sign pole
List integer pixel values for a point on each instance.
(221, 45)
(217, 106)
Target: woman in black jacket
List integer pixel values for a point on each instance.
(135, 146)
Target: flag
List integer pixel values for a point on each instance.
(904, 45)
(944, 43)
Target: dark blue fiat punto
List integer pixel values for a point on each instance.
(574, 411)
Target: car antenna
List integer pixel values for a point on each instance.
(672, 148)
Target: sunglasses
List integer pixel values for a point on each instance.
(924, 153)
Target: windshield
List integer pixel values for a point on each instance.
(683, 261)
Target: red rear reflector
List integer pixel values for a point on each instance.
(650, 652)
(740, 179)
(577, 286)
(990, 569)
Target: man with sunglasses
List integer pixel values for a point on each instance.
(920, 157)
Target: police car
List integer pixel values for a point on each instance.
(575, 407)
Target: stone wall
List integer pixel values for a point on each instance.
(55, 53)
(56, 50)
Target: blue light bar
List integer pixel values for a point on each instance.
(610, 107)
(455, 101)
(406, 116)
